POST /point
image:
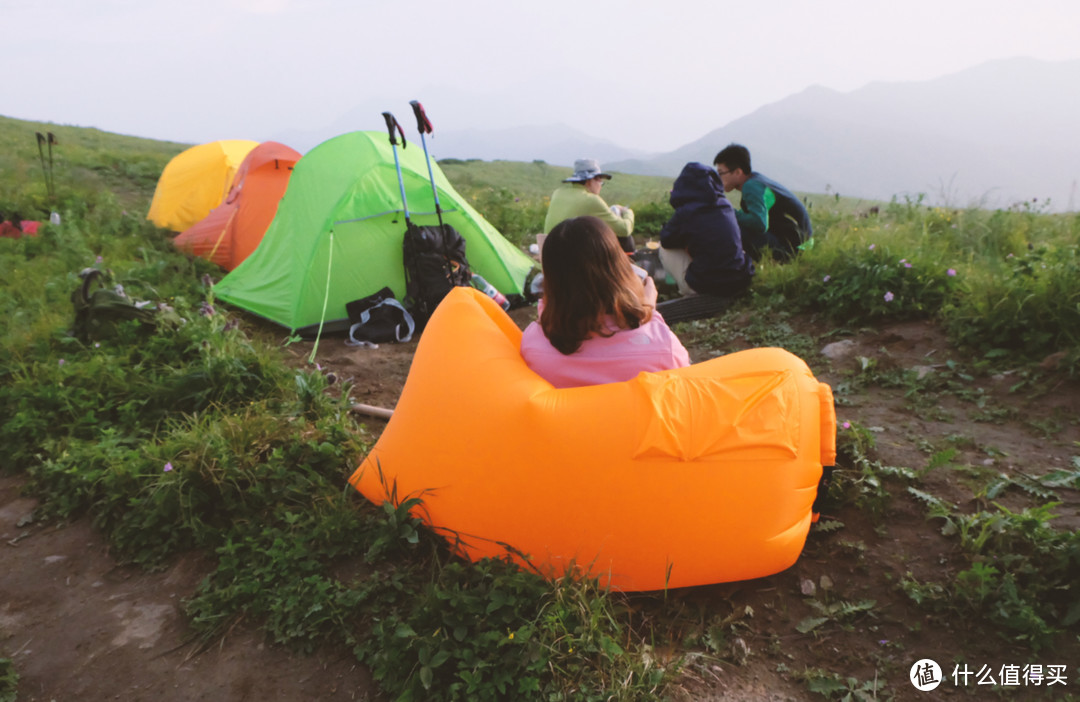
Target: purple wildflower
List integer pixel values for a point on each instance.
(846, 425)
(62, 362)
(872, 246)
(826, 279)
(907, 265)
(951, 272)
(206, 309)
(99, 259)
(168, 467)
(889, 297)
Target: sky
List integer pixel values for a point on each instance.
(650, 75)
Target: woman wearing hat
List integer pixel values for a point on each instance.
(579, 195)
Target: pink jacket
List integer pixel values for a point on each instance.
(651, 347)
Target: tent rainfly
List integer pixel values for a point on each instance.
(234, 228)
(195, 181)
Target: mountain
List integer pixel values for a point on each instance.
(995, 134)
(556, 144)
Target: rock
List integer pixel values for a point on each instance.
(839, 350)
(739, 651)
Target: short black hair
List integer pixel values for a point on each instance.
(734, 156)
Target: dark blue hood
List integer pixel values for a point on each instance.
(696, 184)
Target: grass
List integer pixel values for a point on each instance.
(196, 435)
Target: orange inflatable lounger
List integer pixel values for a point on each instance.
(699, 475)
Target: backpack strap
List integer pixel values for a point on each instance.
(365, 316)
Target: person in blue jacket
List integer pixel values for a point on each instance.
(770, 216)
(701, 246)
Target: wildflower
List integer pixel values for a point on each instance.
(889, 297)
(872, 246)
(99, 259)
(952, 271)
(168, 467)
(318, 366)
(511, 636)
(907, 265)
(62, 362)
(97, 344)
(207, 281)
(232, 324)
(826, 279)
(206, 309)
(846, 425)
(882, 642)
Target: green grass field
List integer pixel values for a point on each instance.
(151, 432)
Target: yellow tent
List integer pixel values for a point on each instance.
(195, 182)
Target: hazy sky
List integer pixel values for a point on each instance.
(653, 75)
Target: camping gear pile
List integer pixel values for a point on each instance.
(304, 238)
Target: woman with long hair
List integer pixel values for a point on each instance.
(598, 319)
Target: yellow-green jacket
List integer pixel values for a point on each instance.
(573, 200)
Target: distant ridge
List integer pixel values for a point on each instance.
(995, 134)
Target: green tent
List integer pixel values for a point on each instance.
(338, 231)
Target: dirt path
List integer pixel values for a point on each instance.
(80, 627)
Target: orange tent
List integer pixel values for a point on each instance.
(234, 228)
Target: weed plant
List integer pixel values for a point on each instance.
(1021, 572)
(1004, 283)
(9, 681)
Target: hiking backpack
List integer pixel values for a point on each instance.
(434, 260)
(99, 313)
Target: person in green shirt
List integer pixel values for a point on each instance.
(579, 195)
(769, 215)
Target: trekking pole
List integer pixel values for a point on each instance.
(423, 124)
(391, 124)
(41, 153)
(52, 173)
